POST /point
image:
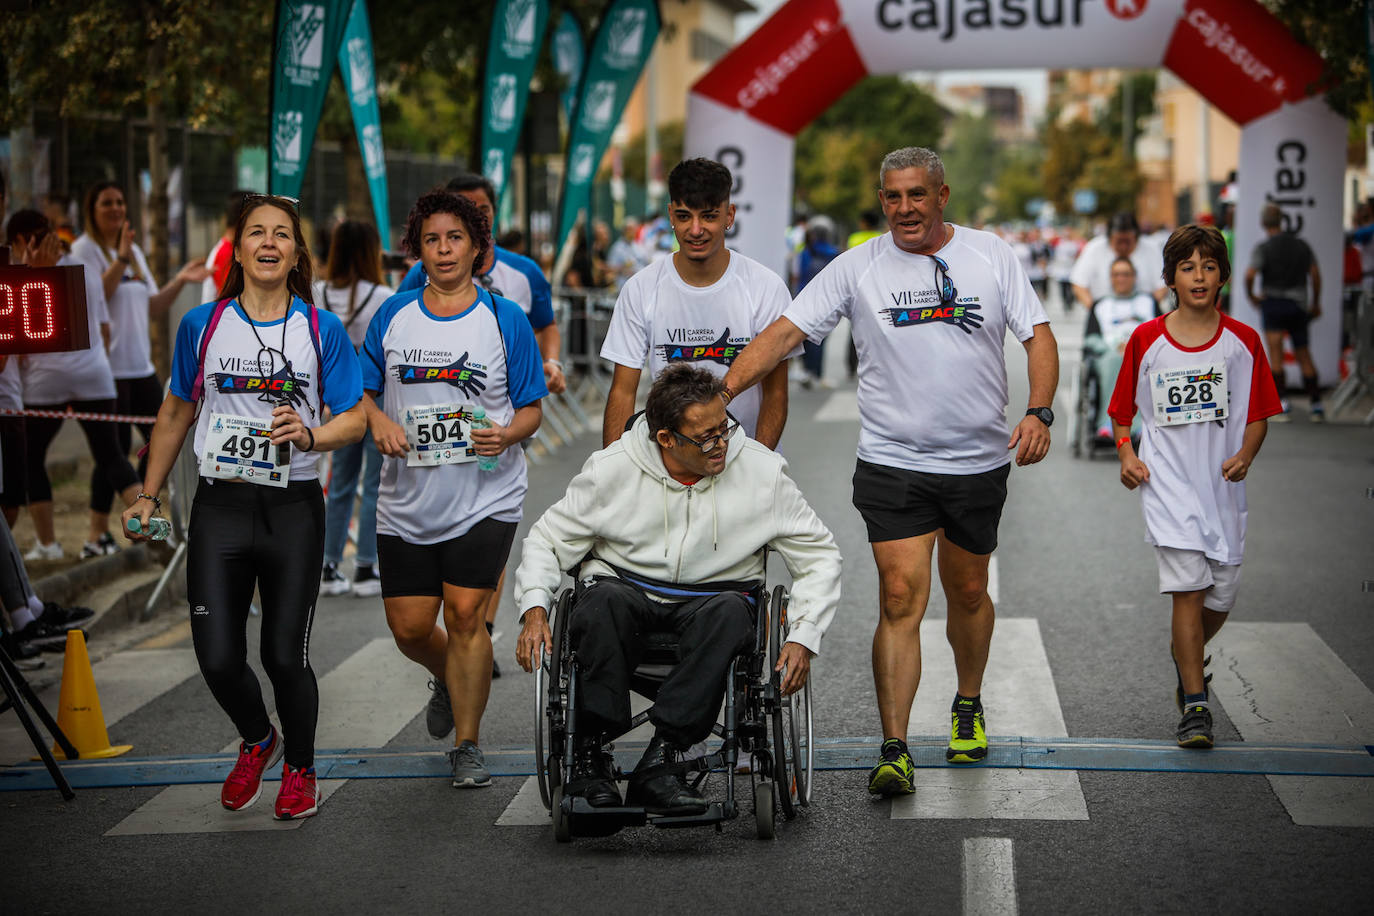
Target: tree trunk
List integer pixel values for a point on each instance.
(158, 255)
(358, 199)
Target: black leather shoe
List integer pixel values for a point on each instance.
(592, 776)
(658, 790)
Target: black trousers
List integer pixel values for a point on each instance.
(609, 629)
(243, 535)
(101, 437)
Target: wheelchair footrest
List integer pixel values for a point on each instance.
(590, 821)
(714, 814)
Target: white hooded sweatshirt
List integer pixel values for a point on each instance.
(625, 509)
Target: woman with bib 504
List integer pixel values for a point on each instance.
(460, 380)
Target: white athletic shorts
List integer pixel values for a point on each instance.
(1182, 570)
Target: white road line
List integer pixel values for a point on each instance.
(1267, 675)
(994, 587)
(125, 681)
(842, 406)
(526, 809)
(989, 877)
(364, 702)
(1019, 698)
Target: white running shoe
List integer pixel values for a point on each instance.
(43, 551)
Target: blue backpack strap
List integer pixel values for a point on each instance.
(198, 386)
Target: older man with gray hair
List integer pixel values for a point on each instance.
(930, 304)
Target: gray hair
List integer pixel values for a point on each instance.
(909, 157)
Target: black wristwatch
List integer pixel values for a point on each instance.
(1043, 414)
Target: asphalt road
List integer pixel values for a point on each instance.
(1083, 637)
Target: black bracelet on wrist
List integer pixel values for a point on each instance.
(157, 503)
(311, 433)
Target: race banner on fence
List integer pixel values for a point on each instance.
(359, 78)
(569, 57)
(308, 35)
(517, 32)
(622, 45)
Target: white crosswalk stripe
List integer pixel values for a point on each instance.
(1282, 682)
(364, 702)
(1019, 698)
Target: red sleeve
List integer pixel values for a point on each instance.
(1121, 408)
(1264, 395)
(221, 259)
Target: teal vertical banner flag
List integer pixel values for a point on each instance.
(622, 45)
(517, 33)
(569, 56)
(308, 33)
(359, 76)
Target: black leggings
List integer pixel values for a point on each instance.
(140, 397)
(102, 438)
(242, 534)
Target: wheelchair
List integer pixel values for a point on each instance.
(1084, 442)
(775, 732)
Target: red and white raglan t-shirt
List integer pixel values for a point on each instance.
(1195, 403)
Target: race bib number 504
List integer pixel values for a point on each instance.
(1183, 396)
(240, 448)
(439, 434)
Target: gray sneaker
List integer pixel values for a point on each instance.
(469, 769)
(438, 711)
(1195, 728)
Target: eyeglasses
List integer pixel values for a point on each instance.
(948, 293)
(709, 444)
(252, 200)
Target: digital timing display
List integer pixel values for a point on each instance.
(43, 309)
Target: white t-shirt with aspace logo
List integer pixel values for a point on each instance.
(1186, 501)
(660, 320)
(932, 377)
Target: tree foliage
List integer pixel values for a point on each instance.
(972, 157)
(837, 155)
(1335, 29)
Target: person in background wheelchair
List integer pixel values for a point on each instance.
(680, 504)
(1110, 323)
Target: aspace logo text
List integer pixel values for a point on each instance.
(722, 350)
(947, 17)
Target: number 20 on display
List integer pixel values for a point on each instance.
(43, 309)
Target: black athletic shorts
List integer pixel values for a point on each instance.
(1287, 316)
(896, 503)
(472, 560)
(14, 446)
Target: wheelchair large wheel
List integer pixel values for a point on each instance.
(782, 752)
(550, 707)
(797, 714)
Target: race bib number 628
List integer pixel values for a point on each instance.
(1183, 396)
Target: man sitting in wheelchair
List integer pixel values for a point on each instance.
(1110, 323)
(669, 525)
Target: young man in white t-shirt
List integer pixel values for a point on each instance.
(1110, 325)
(699, 306)
(1091, 273)
(930, 304)
(1192, 374)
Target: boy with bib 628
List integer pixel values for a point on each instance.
(1202, 384)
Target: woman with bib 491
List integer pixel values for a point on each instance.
(267, 364)
(452, 492)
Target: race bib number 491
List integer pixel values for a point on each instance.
(240, 448)
(439, 434)
(1183, 396)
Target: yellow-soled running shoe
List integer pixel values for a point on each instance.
(894, 772)
(968, 737)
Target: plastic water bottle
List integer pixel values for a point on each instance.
(158, 528)
(480, 421)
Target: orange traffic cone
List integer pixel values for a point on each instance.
(78, 705)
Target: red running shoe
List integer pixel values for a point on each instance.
(299, 795)
(244, 784)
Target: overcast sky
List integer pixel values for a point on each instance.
(1032, 83)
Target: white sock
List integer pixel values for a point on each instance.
(21, 617)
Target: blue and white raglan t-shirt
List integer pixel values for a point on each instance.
(513, 276)
(484, 356)
(243, 380)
